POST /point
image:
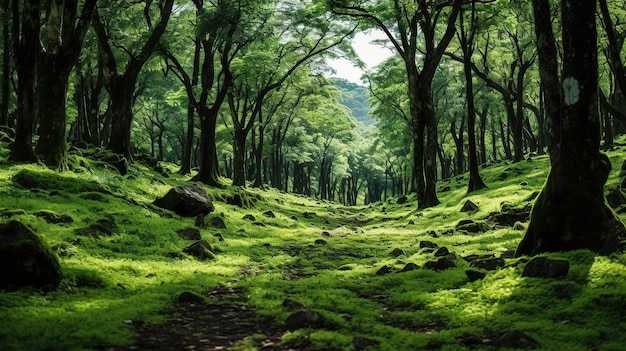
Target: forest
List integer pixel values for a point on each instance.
(191, 174)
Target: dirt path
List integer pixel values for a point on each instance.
(219, 323)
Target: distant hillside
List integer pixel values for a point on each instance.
(355, 97)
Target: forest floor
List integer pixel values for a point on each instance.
(294, 273)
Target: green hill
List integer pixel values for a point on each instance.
(362, 272)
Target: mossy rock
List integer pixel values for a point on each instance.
(26, 260)
(46, 180)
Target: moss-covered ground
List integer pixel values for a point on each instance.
(320, 254)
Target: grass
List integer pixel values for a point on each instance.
(320, 254)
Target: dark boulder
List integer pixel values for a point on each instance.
(441, 264)
(510, 215)
(26, 260)
(474, 275)
(201, 250)
(409, 267)
(469, 206)
(383, 270)
(304, 319)
(269, 214)
(442, 251)
(398, 252)
(402, 200)
(543, 267)
(218, 222)
(249, 217)
(425, 244)
(488, 264)
(469, 226)
(54, 218)
(615, 198)
(187, 201)
(189, 234)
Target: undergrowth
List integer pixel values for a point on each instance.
(320, 254)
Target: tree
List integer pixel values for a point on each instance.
(415, 22)
(467, 45)
(121, 86)
(571, 211)
(65, 30)
(26, 49)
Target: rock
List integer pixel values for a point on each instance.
(474, 275)
(442, 251)
(201, 250)
(543, 267)
(468, 225)
(402, 200)
(187, 201)
(320, 242)
(189, 234)
(383, 270)
(218, 222)
(361, 343)
(326, 234)
(292, 305)
(440, 265)
(398, 252)
(308, 215)
(411, 222)
(409, 267)
(54, 218)
(26, 260)
(508, 254)
(200, 222)
(432, 233)
(615, 198)
(469, 206)
(304, 319)
(189, 297)
(249, 217)
(524, 183)
(488, 264)
(509, 215)
(219, 236)
(515, 339)
(269, 214)
(103, 226)
(424, 244)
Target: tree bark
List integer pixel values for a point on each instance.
(6, 56)
(26, 50)
(571, 211)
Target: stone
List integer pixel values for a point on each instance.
(469, 206)
(543, 267)
(409, 267)
(189, 297)
(249, 217)
(320, 242)
(615, 198)
(469, 226)
(402, 200)
(509, 215)
(488, 264)
(217, 222)
(304, 319)
(187, 201)
(474, 275)
(269, 214)
(398, 252)
(441, 264)
(361, 343)
(442, 251)
(26, 260)
(425, 244)
(200, 222)
(102, 227)
(219, 236)
(54, 218)
(508, 254)
(292, 305)
(383, 270)
(201, 250)
(189, 234)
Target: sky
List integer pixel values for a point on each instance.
(369, 53)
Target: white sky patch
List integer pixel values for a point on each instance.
(571, 91)
(371, 54)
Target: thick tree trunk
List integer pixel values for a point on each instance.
(185, 166)
(121, 94)
(26, 51)
(52, 79)
(571, 211)
(209, 168)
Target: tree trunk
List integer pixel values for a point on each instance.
(26, 51)
(571, 211)
(6, 56)
(52, 80)
(459, 142)
(121, 94)
(209, 167)
(548, 72)
(239, 157)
